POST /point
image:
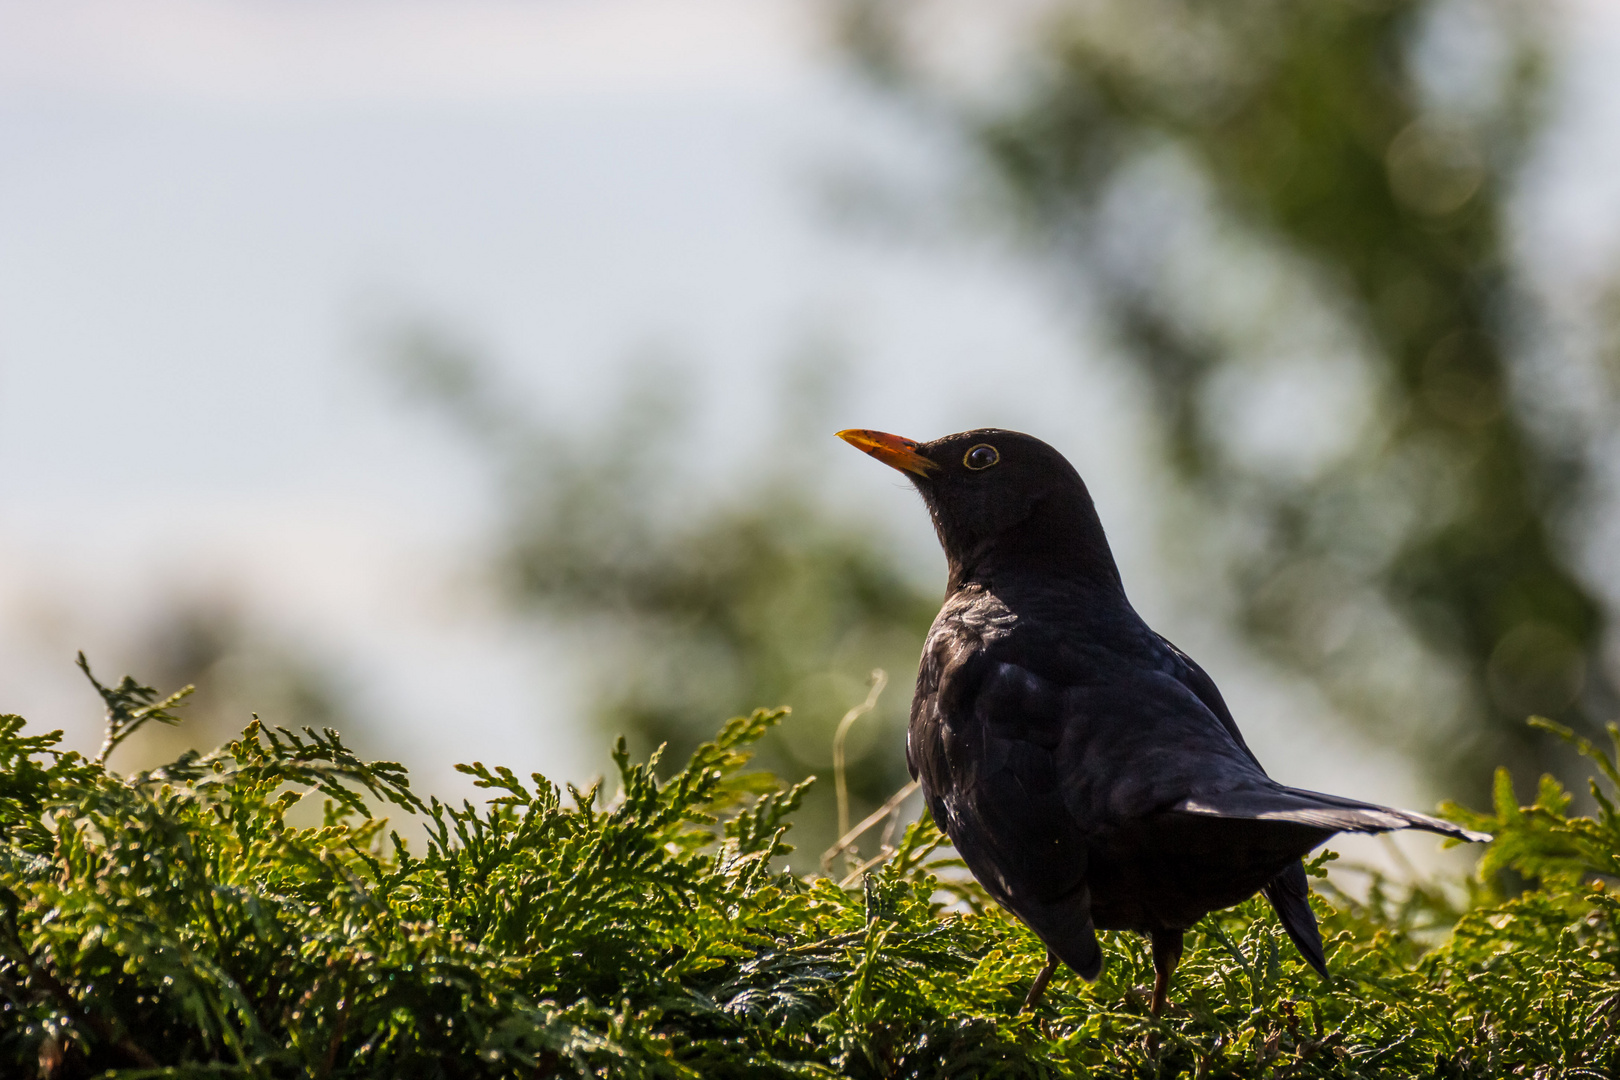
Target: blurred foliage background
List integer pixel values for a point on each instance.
(683, 605)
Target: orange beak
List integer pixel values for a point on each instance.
(892, 450)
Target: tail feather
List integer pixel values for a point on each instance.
(1067, 930)
(1289, 893)
(1313, 808)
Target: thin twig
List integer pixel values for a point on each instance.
(855, 875)
(879, 680)
(894, 821)
(849, 838)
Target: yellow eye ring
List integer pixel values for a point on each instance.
(980, 456)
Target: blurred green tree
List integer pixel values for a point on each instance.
(1289, 214)
(683, 606)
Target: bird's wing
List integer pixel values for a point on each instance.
(1273, 802)
(1139, 742)
(1037, 766)
(1187, 672)
(1148, 743)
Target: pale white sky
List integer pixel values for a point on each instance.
(204, 206)
(287, 55)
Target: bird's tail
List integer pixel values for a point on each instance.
(1289, 893)
(1314, 809)
(1278, 814)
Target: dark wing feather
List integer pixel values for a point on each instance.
(1139, 743)
(1186, 671)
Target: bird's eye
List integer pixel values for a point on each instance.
(981, 456)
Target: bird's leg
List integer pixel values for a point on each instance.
(1166, 953)
(1041, 980)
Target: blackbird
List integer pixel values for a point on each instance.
(1086, 769)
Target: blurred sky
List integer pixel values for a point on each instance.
(208, 210)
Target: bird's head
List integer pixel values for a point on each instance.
(1002, 502)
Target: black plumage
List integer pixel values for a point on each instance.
(1086, 769)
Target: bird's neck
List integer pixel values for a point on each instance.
(1059, 545)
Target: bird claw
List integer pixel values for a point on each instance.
(1039, 988)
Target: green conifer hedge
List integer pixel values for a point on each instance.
(173, 923)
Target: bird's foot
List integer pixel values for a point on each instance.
(1161, 990)
(1036, 991)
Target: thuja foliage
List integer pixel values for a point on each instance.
(178, 922)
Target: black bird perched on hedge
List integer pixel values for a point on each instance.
(1086, 769)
